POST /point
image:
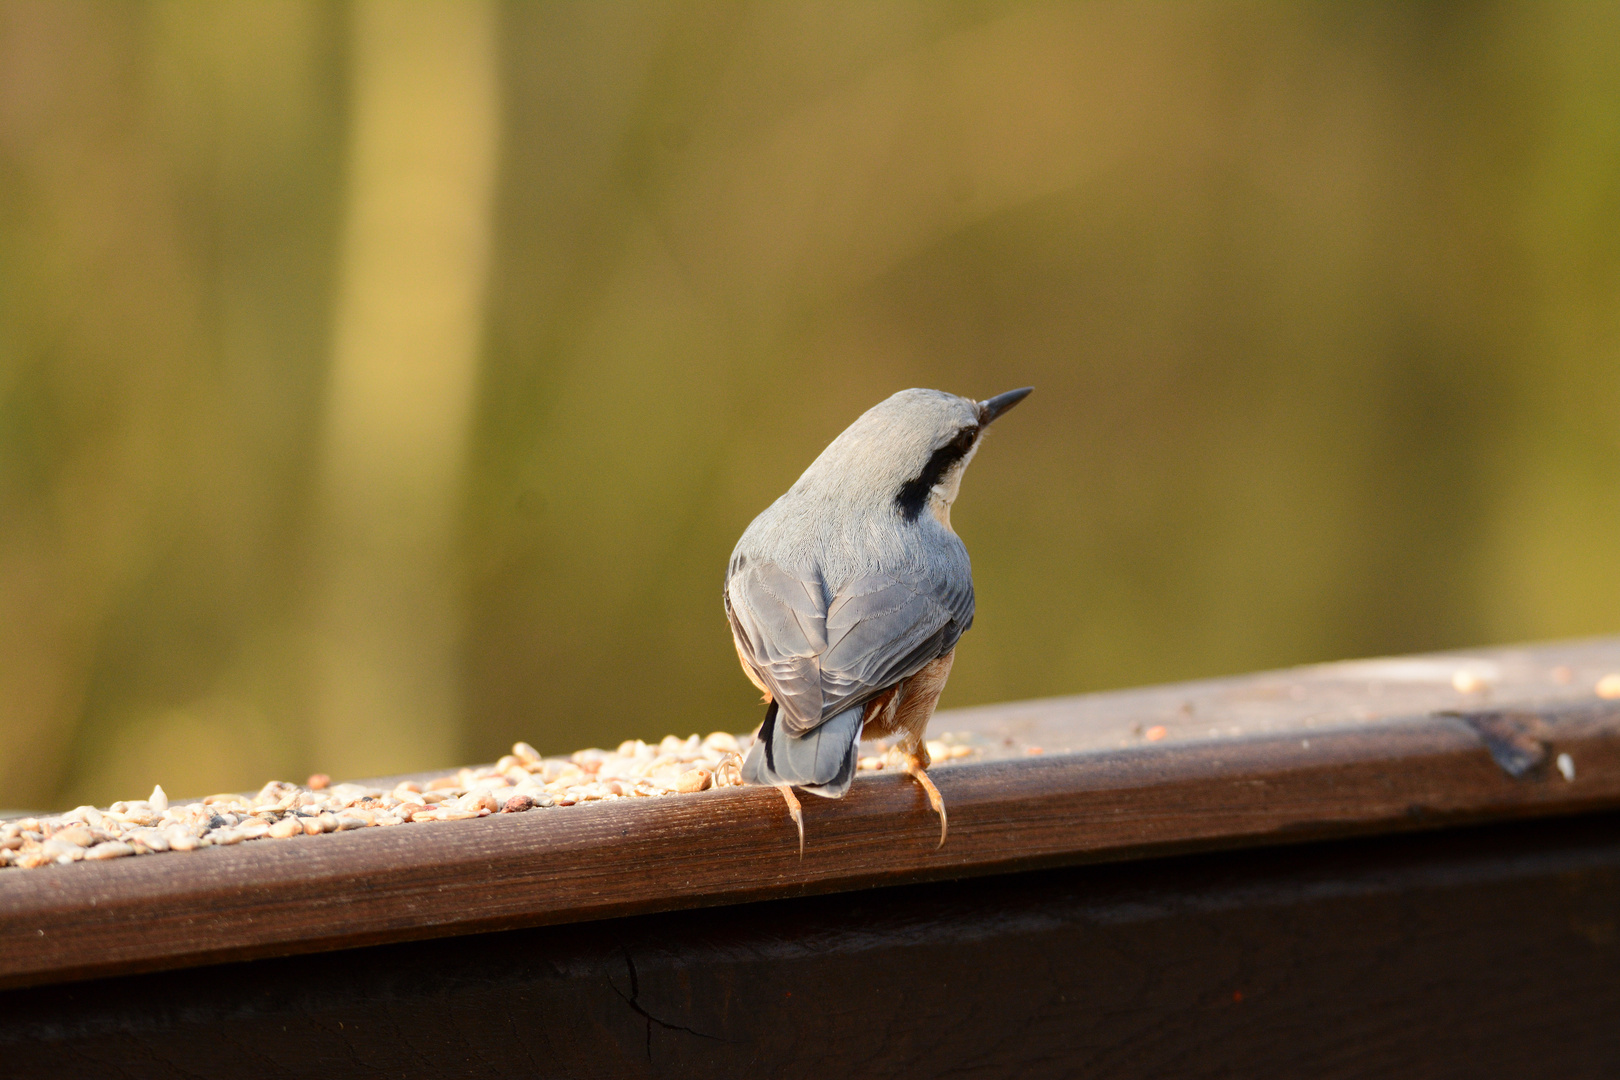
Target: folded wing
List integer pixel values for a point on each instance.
(822, 654)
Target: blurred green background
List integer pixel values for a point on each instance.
(380, 384)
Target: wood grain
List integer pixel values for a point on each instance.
(1482, 952)
(1279, 757)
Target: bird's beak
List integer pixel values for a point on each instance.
(989, 410)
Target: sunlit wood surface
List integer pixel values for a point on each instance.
(1282, 757)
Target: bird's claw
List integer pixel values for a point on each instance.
(794, 811)
(917, 770)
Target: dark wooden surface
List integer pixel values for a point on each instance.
(1484, 952)
(1282, 757)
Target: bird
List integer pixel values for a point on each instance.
(847, 595)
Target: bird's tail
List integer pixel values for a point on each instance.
(821, 761)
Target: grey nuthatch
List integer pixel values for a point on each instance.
(847, 595)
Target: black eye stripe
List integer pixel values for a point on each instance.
(913, 495)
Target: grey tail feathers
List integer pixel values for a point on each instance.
(821, 761)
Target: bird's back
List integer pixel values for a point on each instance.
(833, 600)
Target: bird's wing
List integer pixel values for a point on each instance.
(819, 661)
(780, 622)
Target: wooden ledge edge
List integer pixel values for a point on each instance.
(626, 857)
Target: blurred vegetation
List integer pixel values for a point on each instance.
(382, 384)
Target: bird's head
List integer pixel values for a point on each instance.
(911, 449)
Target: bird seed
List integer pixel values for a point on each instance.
(520, 782)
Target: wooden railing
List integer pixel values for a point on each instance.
(1280, 757)
(1283, 758)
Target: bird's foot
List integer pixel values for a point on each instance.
(729, 772)
(794, 811)
(915, 765)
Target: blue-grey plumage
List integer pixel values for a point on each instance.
(846, 597)
(821, 761)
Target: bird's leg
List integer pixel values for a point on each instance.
(918, 697)
(794, 811)
(913, 760)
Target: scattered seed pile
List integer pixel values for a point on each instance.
(520, 781)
